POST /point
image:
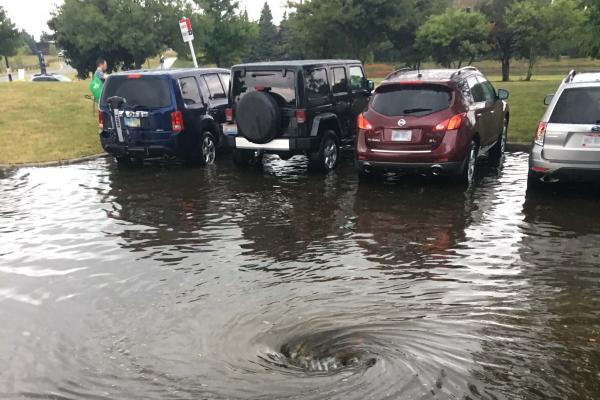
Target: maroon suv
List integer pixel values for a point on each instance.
(432, 122)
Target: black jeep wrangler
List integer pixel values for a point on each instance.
(295, 107)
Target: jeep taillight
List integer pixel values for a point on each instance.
(229, 114)
(540, 135)
(363, 123)
(451, 124)
(300, 116)
(100, 120)
(176, 121)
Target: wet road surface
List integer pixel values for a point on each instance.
(166, 282)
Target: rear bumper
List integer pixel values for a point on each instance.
(451, 153)
(155, 148)
(281, 145)
(447, 168)
(539, 166)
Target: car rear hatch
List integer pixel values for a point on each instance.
(280, 83)
(573, 131)
(405, 117)
(143, 117)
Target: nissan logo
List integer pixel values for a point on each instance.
(402, 122)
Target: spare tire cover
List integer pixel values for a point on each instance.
(258, 117)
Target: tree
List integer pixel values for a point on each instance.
(503, 38)
(528, 21)
(265, 46)
(226, 35)
(125, 32)
(401, 37)
(343, 28)
(10, 39)
(454, 37)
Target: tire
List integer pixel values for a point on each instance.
(499, 148)
(246, 158)
(123, 161)
(534, 182)
(469, 169)
(208, 149)
(326, 158)
(258, 117)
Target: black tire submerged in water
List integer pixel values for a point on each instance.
(258, 117)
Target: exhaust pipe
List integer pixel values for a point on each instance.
(549, 179)
(436, 170)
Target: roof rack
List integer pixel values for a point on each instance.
(570, 76)
(463, 69)
(398, 72)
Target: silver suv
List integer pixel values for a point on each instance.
(567, 143)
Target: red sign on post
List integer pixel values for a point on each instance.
(186, 29)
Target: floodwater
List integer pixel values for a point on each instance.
(170, 283)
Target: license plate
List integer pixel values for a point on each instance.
(401, 136)
(230, 129)
(591, 141)
(132, 122)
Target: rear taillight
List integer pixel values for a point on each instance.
(363, 123)
(541, 133)
(451, 124)
(229, 114)
(300, 116)
(176, 121)
(100, 120)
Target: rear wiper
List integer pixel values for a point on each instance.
(416, 110)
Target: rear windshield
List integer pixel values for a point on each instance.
(145, 92)
(396, 100)
(578, 106)
(283, 85)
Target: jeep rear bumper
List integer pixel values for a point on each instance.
(293, 145)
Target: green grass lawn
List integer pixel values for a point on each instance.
(46, 121)
(526, 105)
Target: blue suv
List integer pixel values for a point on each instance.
(164, 113)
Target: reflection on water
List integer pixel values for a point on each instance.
(166, 282)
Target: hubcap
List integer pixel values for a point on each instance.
(472, 162)
(208, 150)
(330, 153)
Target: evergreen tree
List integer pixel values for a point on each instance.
(265, 47)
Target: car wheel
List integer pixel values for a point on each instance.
(326, 158)
(208, 149)
(123, 160)
(500, 147)
(245, 158)
(534, 181)
(469, 169)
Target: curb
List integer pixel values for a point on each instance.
(518, 147)
(54, 163)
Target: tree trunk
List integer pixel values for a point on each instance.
(7, 69)
(505, 69)
(531, 60)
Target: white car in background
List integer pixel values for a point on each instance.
(567, 143)
(50, 78)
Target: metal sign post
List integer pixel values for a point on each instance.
(188, 36)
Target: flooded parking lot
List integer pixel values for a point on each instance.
(166, 282)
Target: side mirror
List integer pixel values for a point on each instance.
(548, 99)
(503, 94)
(370, 85)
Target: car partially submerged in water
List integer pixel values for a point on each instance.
(174, 113)
(566, 145)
